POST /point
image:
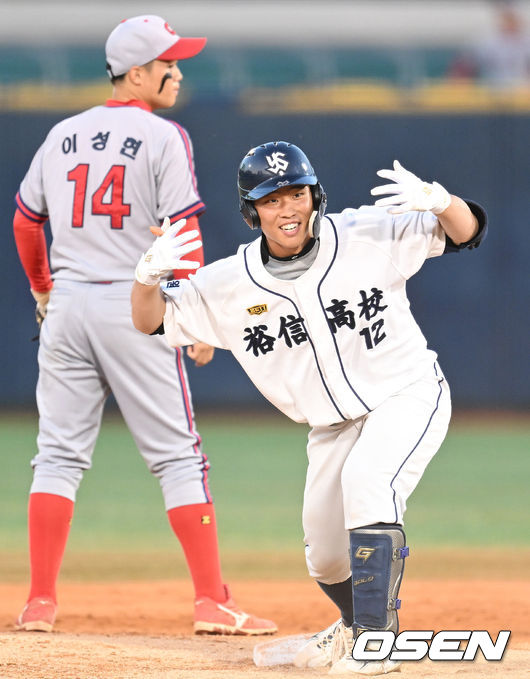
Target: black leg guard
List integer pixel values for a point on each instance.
(341, 595)
(377, 555)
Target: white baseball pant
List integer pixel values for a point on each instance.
(361, 472)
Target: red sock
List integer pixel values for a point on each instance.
(196, 528)
(49, 519)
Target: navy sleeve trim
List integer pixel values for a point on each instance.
(299, 315)
(482, 217)
(196, 208)
(324, 313)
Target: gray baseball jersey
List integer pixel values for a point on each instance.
(102, 177)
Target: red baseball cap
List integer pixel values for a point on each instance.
(139, 40)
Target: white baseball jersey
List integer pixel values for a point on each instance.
(336, 342)
(103, 177)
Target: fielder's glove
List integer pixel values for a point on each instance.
(411, 193)
(166, 252)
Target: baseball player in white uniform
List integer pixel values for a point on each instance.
(99, 178)
(316, 313)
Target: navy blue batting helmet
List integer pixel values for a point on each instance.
(269, 167)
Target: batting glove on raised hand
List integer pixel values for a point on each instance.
(410, 192)
(166, 252)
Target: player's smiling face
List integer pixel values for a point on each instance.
(284, 219)
(160, 83)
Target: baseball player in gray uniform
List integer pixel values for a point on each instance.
(99, 178)
(316, 313)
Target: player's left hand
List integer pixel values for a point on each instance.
(410, 192)
(201, 353)
(41, 308)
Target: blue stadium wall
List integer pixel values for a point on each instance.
(473, 306)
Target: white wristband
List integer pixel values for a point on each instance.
(142, 273)
(443, 199)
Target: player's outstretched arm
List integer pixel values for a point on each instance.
(163, 256)
(458, 222)
(409, 192)
(148, 307)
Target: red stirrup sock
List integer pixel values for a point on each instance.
(49, 519)
(196, 528)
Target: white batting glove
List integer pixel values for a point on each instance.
(166, 252)
(410, 192)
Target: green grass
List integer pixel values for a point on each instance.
(474, 492)
(257, 478)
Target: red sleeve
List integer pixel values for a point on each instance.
(196, 255)
(31, 246)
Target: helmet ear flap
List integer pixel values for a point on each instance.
(319, 208)
(319, 198)
(316, 191)
(249, 213)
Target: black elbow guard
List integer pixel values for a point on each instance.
(482, 218)
(159, 331)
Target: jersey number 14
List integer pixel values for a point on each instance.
(113, 207)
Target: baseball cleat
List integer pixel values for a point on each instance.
(38, 615)
(347, 666)
(326, 647)
(212, 617)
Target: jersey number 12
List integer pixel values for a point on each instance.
(115, 208)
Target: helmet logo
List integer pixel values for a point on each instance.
(277, 163)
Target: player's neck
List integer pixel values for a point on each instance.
(124, 93)
(130, 103)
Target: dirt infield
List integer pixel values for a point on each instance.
(143, 630)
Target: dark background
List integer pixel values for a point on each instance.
(472, 306)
